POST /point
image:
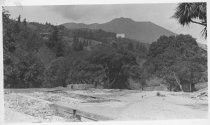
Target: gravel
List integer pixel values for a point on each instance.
(55, 97)
(38, 109)
(201, 94)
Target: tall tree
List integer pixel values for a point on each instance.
(8, 40)
(116, 67)
(53, 37)
(187, 13)
(180, 61)
(130, 46)
(24, 21)
(77, 45)
(19, 19)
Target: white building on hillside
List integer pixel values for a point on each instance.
(120, 35)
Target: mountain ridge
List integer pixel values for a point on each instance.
(145, 31)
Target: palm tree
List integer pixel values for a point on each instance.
(187, 13)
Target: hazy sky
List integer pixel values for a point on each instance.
(160, 14)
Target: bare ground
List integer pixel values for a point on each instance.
(32, 105)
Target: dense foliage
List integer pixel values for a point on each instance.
(177, 59)
(44, 55)
(111, 63)
(22, 68)
(98, 35)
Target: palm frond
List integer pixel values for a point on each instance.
(187, 13)
(204, 32)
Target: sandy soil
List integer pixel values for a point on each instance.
(33, 106)
(14, 116)
(167, 107)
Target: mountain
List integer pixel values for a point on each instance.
(203, 46)
(146, 32)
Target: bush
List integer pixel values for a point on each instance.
(56, 73)
(158, 94)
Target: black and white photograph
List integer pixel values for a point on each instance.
(105, 62)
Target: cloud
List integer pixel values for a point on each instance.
(87, 13)
(103, 13)
(159, 14)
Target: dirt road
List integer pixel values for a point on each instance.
(115, 104)
(168, 107)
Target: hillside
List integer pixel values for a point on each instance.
(203, 46)
(44, 55)
(146, 32)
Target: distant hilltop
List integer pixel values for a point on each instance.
(146, 32)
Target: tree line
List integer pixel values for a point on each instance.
(176, 59)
